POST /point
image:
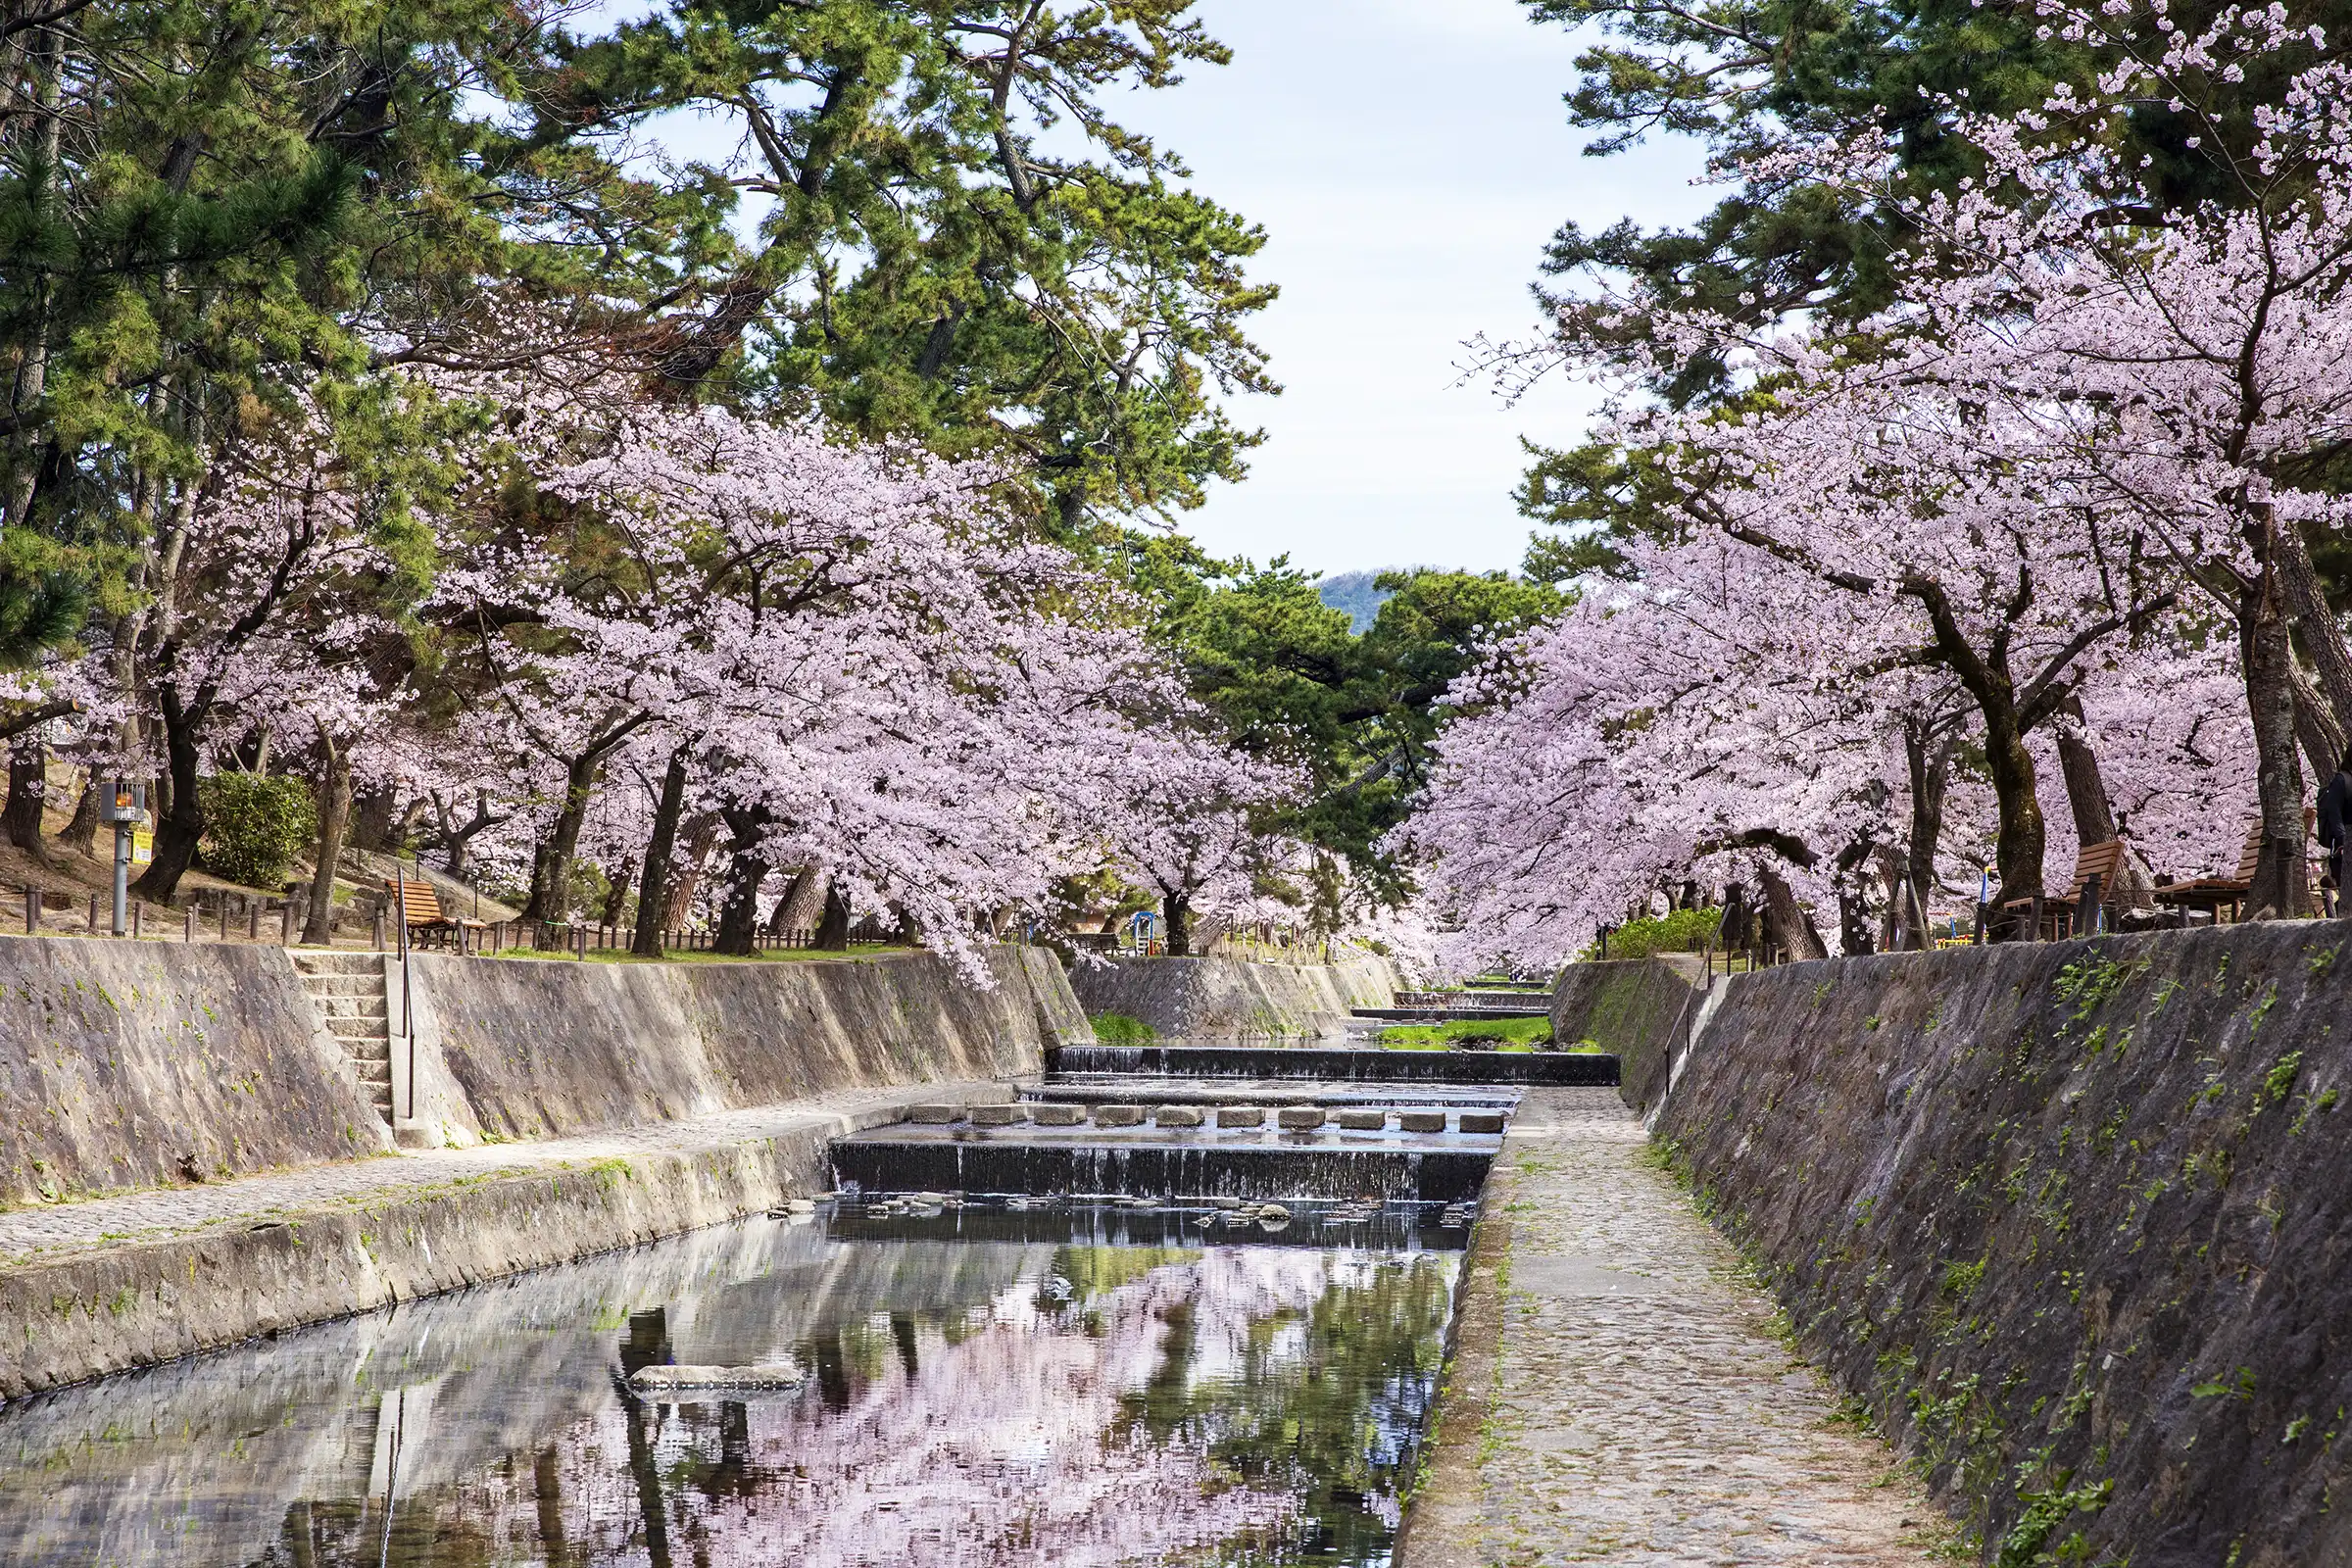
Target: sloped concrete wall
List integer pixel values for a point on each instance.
(1226, 998)
(145, 1063)
(2074, 1220)
(527, 1048)
(1636, 1009)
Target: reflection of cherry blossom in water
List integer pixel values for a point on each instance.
(1005, 1445)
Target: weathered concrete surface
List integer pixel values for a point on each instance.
(1634, 1008)
(154, 1275)
(549, 1049)
(2075, 1220)
(1619, 1392)
(133, 1064)
(1225, 998)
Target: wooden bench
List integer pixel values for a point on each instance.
(2096, 869)
(420, 911)
(2217, 893)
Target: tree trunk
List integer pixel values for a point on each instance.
(81, 833)
(1931, 769)
(747, 873)
(1734, 929)
(1177, 909)
(646, 942)
(686, 877)
(2023, 832)
(2280, 887)
(2323, 636)
(617, 894)
(833, 931)
(2323, 742)
(551, 861)
(27, 789)
(803, 905)
(334, 815)
(180, 827)
(374, 816)
(2085, 786)
(1786, 926)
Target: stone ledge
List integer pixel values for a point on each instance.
(72, 1317)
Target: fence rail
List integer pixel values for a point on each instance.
(243, 917)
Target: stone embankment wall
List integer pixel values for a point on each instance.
(1639, 1009)
(130, 1065)
(1226, 998)
(144, 1063)
(2072, 1218)
(528, 1050)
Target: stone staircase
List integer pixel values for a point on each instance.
(348, 989)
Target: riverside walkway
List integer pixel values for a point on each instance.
(130, 1218)
(1619, 1393)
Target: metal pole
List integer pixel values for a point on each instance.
(125, 808)
(408, 1009)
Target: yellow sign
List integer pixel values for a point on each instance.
(143, 847)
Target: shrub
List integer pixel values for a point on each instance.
(1683, 931)
(1117, 1029)
(254, 826)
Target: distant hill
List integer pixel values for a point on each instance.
(1352, 592)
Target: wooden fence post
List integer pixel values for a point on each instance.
(188, 933)
(32, 910)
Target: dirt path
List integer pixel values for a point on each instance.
(1621, 1392)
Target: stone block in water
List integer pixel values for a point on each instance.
(1362, 1121)
(1005, 1115)
(1482, 1121)
(1056, 1115)
(1300, 1118)
(1118, 1115)
(660, 1379)
(1240, 1115)
(1421, 1122)
(935, 1115)
(1177, 1117)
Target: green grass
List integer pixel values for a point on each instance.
(1118, 1029)
(1508, 1034)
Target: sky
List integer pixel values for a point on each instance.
(1408, 159)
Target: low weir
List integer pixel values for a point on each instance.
(1180, 1124)
(1584, 1069)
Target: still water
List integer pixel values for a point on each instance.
(1093, 1387)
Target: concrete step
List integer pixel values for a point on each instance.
(358, 1028)
(374, 1074)
(343, 985)
(324, 962)
(375, 1007)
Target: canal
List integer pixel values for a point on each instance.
(1029, 1382)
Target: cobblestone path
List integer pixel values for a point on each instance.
(62, 1228)
(1620, 1394)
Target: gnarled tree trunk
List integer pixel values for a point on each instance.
(334, 814)
(659, 851)
(27, 791)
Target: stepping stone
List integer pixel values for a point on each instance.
(1005, 1115)
(1300, 1118)
(1177, 1117)
(1056, 1115)
(1421, 1122)
(1118, 1115)
(1240, 1115)
(662, 1379)
(935, 1115)
(1482, 1121)
(1363, 1121)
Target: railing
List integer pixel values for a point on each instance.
(251, 918)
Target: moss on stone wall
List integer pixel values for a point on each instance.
(2072, 1218)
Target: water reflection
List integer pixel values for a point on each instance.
(966, 1401)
